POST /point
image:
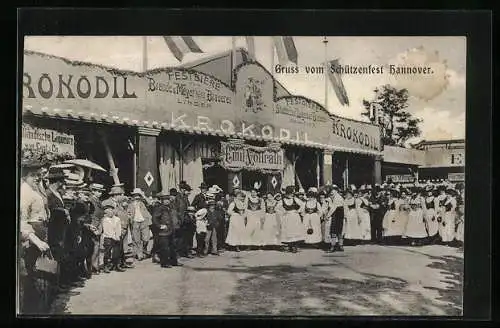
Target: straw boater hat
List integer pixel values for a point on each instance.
(137, 191)
(200, 214)
(96, 186)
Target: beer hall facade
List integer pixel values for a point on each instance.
(224, 120)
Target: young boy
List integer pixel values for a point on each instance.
(111, 232)
(201, 230)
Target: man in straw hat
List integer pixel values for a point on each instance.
(33, 290)
(163, 222)
(141, 220)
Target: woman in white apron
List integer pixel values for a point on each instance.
(351, 215)
(404, 212)
(254, 215)
(415, 230)
(292, 229)
(447, 230)
(363, 209)
(236, 233)
(390, 223)
(325, 220)
(312, 218)
(430, 204)
(270, 230)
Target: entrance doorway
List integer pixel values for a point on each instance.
(305, 168)
(214, 174)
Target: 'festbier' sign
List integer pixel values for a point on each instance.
(241, 156)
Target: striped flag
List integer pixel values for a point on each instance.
(181, 45)
(336, 80)
(251, 46)
(285, 48)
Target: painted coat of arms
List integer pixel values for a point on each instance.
(253, 95)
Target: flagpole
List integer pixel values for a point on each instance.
(325, 42)
(272, 58)
(233, 56)
(144, 53)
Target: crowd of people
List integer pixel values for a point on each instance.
(86, 234)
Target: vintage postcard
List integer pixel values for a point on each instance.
(242, 175)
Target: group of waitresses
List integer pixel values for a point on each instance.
(88, 235)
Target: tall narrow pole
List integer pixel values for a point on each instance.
(233, 56)
(325, 42)
(272, 57)
(144, 53)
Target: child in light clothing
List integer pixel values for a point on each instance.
(201, 230)
(111, 233)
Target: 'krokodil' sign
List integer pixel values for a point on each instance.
(187, 99)
(47, 141)
(241, 156)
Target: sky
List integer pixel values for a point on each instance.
(438, 99)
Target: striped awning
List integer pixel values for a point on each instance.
(125, 121)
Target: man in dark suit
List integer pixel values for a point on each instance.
(163, 221)
(94, 227)
(377, 210)
(214, 219)
(58, 225)
(200, 200)
(187, 226)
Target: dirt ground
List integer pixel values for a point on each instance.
(363, 280)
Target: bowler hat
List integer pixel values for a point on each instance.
(173, 192)
(184, 186)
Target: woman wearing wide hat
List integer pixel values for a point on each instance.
(292, 229)
(430, 204)
(312, 218)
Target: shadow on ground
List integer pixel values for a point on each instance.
(289, 290)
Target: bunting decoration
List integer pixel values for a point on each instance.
(336, 80)
(285, 48)
(181, 45)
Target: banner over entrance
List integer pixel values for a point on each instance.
(240, 156)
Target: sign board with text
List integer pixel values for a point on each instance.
(242, 156)
(45, 140)
(400, 178)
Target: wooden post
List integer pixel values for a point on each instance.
(377, 170)
(113, 170)
(327, 167)
(147, 166)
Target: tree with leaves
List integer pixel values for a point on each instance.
(398, 124)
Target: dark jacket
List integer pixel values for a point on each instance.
(162, 215)
(199, 201)
(181, 204)
(214, 219)
(57, 226)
